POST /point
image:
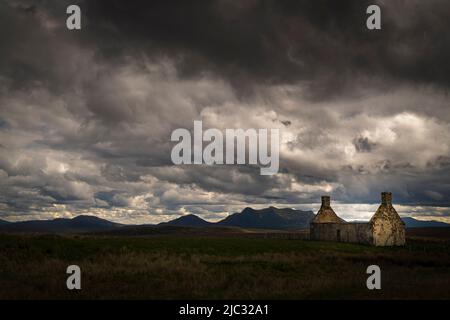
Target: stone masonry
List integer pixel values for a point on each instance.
(385, 228)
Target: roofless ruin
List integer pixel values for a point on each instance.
(385, 228)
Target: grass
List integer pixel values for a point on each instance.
(170, 267)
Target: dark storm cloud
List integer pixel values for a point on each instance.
(363, 144)
(86, 116)
(323, 42)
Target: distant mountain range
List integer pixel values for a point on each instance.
(3, 222)
(413, 223)
(80, 224)
(268, 218)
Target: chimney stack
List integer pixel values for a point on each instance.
(325, 201)
(386, 198)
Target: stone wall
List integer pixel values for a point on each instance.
(389, 234)
(324, 231)
(342, 232)
(388, 228)
(357, 233)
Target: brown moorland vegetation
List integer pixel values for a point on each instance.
(221, 267)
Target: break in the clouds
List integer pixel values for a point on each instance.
(86, 116)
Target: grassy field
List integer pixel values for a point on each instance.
(171, 267)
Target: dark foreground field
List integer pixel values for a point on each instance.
(189, 267)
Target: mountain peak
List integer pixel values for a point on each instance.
(269, 218)
(189, 220)
(88, 218)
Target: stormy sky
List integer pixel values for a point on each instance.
(86, 116)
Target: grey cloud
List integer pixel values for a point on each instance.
(363, 144)
(86, 117)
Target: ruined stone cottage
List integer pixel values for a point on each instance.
(385, 228)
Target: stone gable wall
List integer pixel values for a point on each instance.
(388, 230)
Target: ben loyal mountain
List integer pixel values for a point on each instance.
(269, 218)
